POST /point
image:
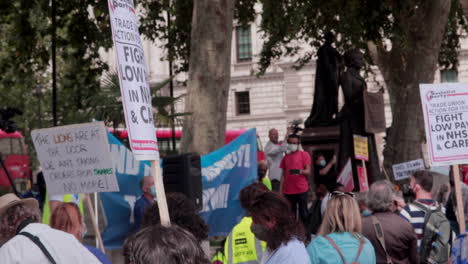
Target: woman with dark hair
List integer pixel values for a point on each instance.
(163, 245)
(340, 239)
(182, 212)
(274, 223)
(67, 217)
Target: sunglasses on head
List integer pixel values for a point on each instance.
(338, 193)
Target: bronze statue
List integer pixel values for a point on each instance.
(352, 116)
(325, 105)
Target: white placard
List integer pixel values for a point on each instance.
(134, 85)
(404, 170)
(76, 158)
(445, 109)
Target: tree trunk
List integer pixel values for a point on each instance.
(412, 60)
(209, 76)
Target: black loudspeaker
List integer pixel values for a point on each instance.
(182, 173)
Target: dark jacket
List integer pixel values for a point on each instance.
(400, 239)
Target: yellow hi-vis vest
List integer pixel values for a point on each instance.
(242, 246)
(67, 198)
(219, 258)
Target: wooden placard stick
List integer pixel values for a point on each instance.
(93, 219)
(160, 193)
(458, 197)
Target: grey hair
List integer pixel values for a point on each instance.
(361, 198)
(464, 192)
(380, 196)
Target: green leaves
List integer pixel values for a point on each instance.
(106, 104)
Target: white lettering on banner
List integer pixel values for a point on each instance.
(118, 153)
(133, 79)
(131, 200)
(445, 108)
(124, 161)
(76, 158)
(239, 158)
(215, 198)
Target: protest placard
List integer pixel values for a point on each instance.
(404, 170)
(361, 150)
(75, 158)
(445, 109)
(363, 182)
(134, 85)
(346, 176)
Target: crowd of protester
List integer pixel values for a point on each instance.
(282, 225)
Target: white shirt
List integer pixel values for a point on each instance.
(63, 247)
(293, 252)
(274, 154)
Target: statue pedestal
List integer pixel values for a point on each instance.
(320, 139)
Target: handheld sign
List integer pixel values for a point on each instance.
(134, 86)
(445, 110)
(363, 182)
(361, 149)
(404, 170)
(75, 159)
(136, 95)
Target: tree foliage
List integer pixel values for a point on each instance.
(356, 22)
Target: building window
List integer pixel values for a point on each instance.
(448, 76)
(243, 44)
(242, 103)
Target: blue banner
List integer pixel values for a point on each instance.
(224, 173)
(118, 206)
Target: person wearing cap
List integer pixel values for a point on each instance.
(24, 239)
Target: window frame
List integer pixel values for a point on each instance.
(238, 44)
(237, 96)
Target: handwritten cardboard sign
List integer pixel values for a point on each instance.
(361, 149)
(404, 170)
(75, 159)
(133, 79)
(445, 110)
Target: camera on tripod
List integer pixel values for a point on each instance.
(6, 124)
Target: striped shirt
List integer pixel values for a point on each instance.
(415, 216)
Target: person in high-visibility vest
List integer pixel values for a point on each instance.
(261, 174)
(219, 258)
(52, 202)
(242, 247)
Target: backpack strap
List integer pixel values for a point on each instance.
(381, 237)
(335, 246)
(361, 246)
(41, 246)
